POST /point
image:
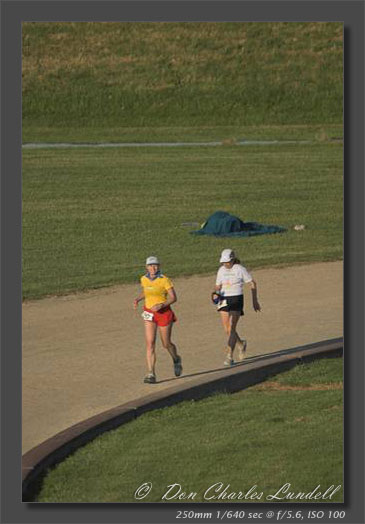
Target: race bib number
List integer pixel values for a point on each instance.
(146, 315)
(222, 303)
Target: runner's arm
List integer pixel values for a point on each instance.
(171, 298)
(218, 283)
(255, 303)
(217, 288)
(138, 299)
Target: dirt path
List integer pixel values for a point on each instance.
(84, 353)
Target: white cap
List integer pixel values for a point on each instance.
(152, 260)
(227, 255)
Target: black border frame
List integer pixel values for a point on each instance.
(351, 13)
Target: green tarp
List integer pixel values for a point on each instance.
(224, 224)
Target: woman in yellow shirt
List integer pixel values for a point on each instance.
(158, 293)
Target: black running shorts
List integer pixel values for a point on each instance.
(234, 303)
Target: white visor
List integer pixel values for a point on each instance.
(152, 260)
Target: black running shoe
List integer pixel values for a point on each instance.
(177, 366)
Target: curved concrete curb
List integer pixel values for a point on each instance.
(253, 370)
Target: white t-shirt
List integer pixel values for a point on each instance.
(232, 279)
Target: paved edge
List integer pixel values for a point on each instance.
(253, 370)
(65, 145)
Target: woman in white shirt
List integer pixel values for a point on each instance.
(228, 294)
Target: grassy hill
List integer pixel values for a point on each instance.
(133, 75)
(91, 216)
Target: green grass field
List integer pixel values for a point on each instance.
(285, 430)
(91, 216)
(82, 77)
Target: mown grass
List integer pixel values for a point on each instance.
(91, 216)
(259, 437)
(126, 75)
(225, 134)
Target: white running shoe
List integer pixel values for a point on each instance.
(150, 379)
(228, 361)
(242, 347)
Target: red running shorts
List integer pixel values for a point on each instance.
(162, 318)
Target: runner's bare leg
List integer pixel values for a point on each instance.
(150, 335)
(165, 334)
